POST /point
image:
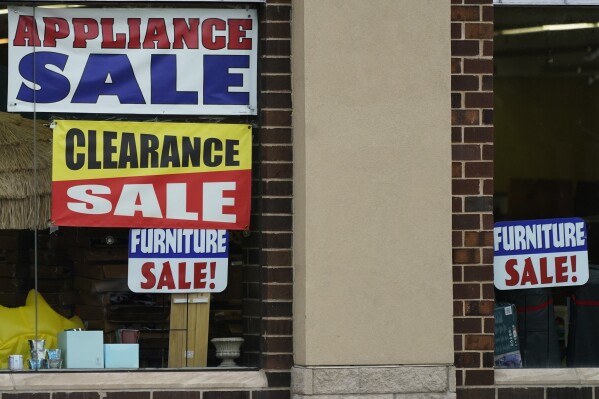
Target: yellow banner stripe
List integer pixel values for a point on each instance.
(104, 149)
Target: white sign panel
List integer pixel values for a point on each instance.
(540, 253)
(193, 61)
(178, 260)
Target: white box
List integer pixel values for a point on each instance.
(82, 349)
(121, 356)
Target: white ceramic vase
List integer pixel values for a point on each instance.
(227, 349)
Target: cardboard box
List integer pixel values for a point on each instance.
(507, 347)
(82, 349)
(121, 356)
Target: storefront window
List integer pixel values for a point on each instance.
(546, 168)
(154, 268)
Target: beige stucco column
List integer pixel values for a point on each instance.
(372, 195)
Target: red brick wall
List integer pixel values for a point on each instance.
(275, 220)
(472, 195)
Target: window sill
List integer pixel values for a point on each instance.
(558, 376)
(130, 380)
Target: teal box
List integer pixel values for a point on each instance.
(82, 349)
(121, 356)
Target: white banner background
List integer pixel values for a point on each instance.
(190, 72)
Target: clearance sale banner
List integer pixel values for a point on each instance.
(148, 174)
(185, 61)
(540, 253)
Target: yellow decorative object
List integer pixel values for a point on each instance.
(17, 325)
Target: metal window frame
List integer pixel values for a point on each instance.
(547, 2)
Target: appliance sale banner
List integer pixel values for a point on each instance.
(540, 253)
(198, 61)
(149, 174)
(178, 260)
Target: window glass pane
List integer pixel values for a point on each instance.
(546, 167)
(81, 273)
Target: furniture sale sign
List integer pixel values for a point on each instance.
(178, 260)
(148, 174)
(193, 61)
(540, 253)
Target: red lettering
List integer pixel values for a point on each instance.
(573, 263)
(146, 271)
(209, 39)
(528, 274)
(199, 275)
(55, 28)
(109, 39)
(510, 268)
(85, 29)
(156, 36)
(26, 32)
(183, 283)
(561, 269)
(186, 33)
(212, 274)
(237, 30)
(166, 277)
(134, 32)
(545, 278)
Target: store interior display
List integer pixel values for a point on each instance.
(68, 286)
(18, 327)
(546, 141)
(82, 284)
(80, 275)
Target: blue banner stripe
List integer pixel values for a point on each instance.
(539, 236)
(178, 243)
(182, 256)
(540, 251)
